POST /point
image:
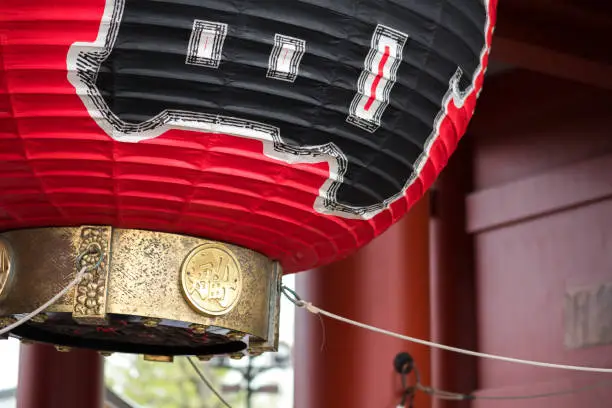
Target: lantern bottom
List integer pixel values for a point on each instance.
(144, 292)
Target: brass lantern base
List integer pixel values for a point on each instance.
(143, 292)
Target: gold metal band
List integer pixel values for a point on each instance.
(144, 277)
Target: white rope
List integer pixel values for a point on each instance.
(208, 383)
(40, 309)
(295, 299)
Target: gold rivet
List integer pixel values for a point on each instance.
(235, 336)
(236, 356)
(63, 349)
(151, 322)
(105, 353)
(205, 358)
(40, 318)
(198, 328)
(159, 359)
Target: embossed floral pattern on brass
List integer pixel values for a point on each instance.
(90, 300)
(6, 267)
(211, 279)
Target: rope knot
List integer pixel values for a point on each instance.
(308, 306)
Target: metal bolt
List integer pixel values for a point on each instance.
(63, 349)
(198, 328)
(236, 356)
(151, 322)
(235, 336)
(205, 358)
(40, 318)
(159, 359)
(105, 353)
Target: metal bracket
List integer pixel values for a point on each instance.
(91, 293)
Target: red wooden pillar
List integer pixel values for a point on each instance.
(453, 285)
(386, 284)
(50, 379)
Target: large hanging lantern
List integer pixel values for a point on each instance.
(187, 152)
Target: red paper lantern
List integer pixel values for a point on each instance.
(297, 130)
(231, 159)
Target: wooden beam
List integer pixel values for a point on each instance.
(385, 283)
(559, 26)
(554, 63)
(563, 188)
(453, 280)
(50, 379)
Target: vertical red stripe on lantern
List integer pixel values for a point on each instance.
(381, 68)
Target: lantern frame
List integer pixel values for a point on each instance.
(134, 295)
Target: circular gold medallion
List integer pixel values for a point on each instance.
(6, 267)
(211, 279)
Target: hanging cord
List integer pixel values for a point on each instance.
(207, 382)
(406, 366)
(296, 300)
(55, 298)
